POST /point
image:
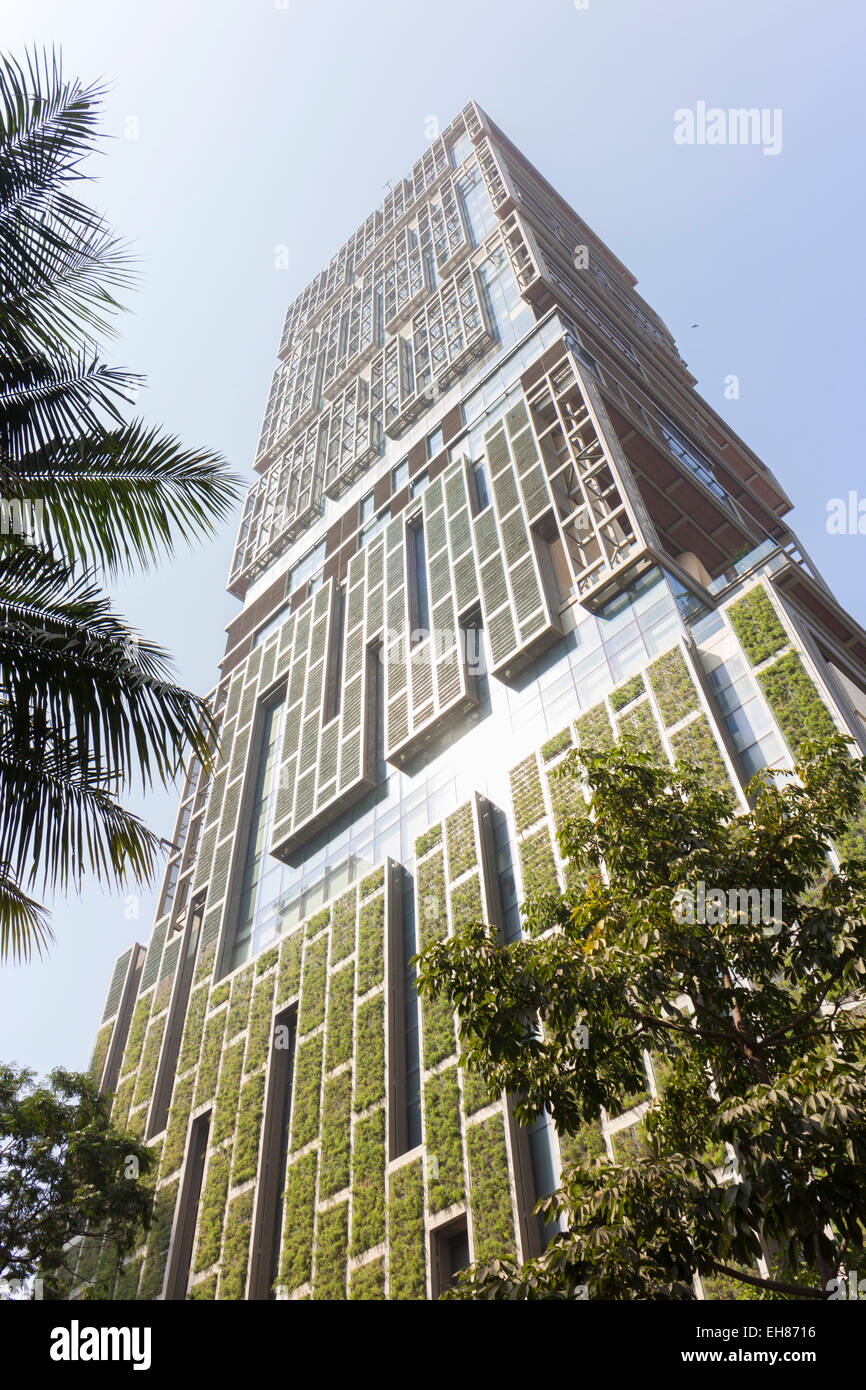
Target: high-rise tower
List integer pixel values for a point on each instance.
(493, 519)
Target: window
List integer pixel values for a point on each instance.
(170, 885)
(265, 1245)
(181, 1255)
(373, 527)
(479, 491)
(460, 150)
(334, 677)
(511, 315)
(586, 358)
(419, 600)
(434, 443)
(365, 510)
(509, 901)
(418, 484)
(248, 941)
(400, 475)
(544, 1181)
(475, 203)
(692, 457)
(310, 567)
(270, 627)
(450, 1254)
(406, 1097)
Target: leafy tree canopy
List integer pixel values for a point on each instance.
(65, 1171)
(753, 1162)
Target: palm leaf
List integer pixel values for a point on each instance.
(24, 923)
(119, 497)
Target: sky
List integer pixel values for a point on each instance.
(251, 137)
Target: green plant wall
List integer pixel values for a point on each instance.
(756, 623)
(694, 745)
(408, 1265)
(100, 1051)
(236, 1247)
(299, 1207)
(444, 1140)
(672, 687)
(246, 1147)
(490, 1190)
(368, 1282)
(795, 703)
(371, 944)
(332, 1248)
(336, 1134)
(368, 1183)
(370, 1053)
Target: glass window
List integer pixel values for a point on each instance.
(419, 603)
(400, 475)
(476, 204)
(366, 508)
(480, 490)
(373, 527)
(418, 484)
(258, 863)
(269, 628)
(305, 569)
(460, 150)
(511, 315)
(434, 443)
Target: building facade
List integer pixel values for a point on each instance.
(493, 520)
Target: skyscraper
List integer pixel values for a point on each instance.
(493, 520)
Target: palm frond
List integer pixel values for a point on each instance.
(125, 496)
(67, 826)
(59, 261)
(93, 678)
(24, 923)
(52, 402)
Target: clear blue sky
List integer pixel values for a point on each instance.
(261, 125)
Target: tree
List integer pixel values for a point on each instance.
(87, 706)
(65, 1171)
(756, 1147)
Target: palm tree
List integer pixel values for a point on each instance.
(86, 705)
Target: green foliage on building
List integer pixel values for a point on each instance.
(526, 794)
(306, 1092)
(368, 1183)
(624, 694)
(299, 1208)
(593, 727)
(443, 1140)
(756, 623)
(336, 1134)
(672, 687)
(236, 1246)
(490, 1190)
(537, 863)
(796, 705)
(408, 1272)
(461, 842)
(332, 1248)
(371, 944)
